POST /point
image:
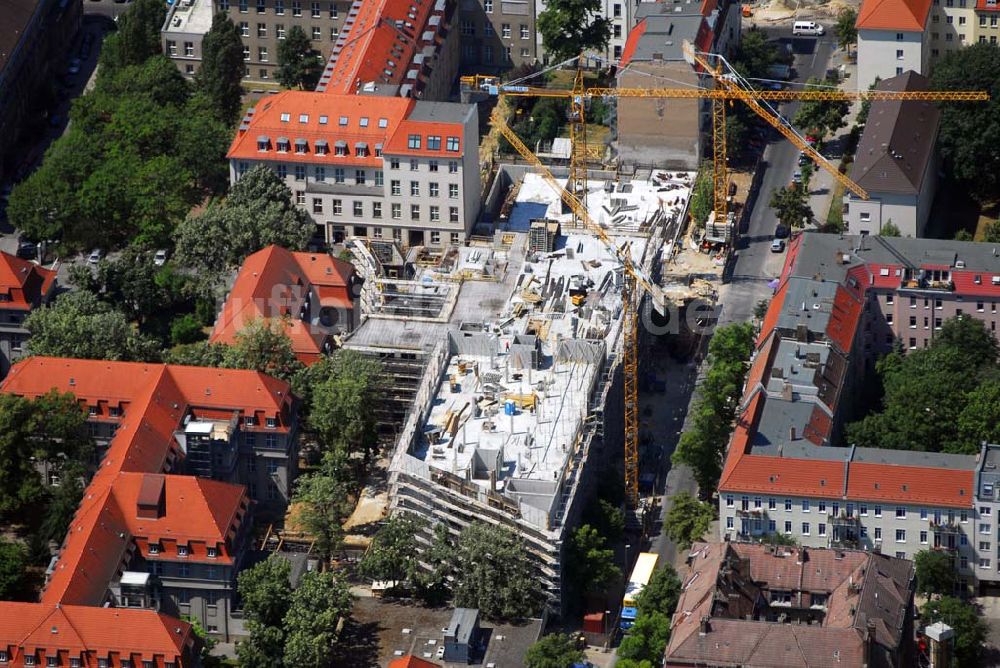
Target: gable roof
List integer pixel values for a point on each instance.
(904, 15)
(898, 141)
(410, 661)
(24, 283)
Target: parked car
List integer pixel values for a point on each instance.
(804, 159)
(27, 250)
(780, 232)
(74, 66)
(96, 256)
(797, 178)
(778, 245)
(160, 257)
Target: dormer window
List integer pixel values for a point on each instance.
(249, 421)
(125, 663)
(283, 145)
(322, 148)
(433, 143)
(413, 141)
(52, 661)
(92, 410)
(263, 142)
(301, 145)
(340, 148)
(453, 144)
(75, 662)
(363, 121)
(114, 411)
(154, 548)
(271, 422)
(102, 663)
(213, 552)
(3, 656)
(361, 149)
(29, 659)
(182, 550)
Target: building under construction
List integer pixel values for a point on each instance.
(507, 354)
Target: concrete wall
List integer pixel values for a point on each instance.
(878, 55)
(665, 132)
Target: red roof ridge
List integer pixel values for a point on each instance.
(904, 15)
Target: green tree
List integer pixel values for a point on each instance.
(207, 642)
(78, 325)
(980, 418)
(299, 65)
(222, 68)
(646, 640)
(201, 353)
(13, 564)
(608, 519)
(264, 346)
(186, 329)
(571, 27)
(846, 28)
(266, 593)
(590, 562)
(935, 573)
(963, 235)
(755, 55)
(492, 573)
(432, 583)
(968, 132)
(345, 386)
(317, 606)
(661, 594)
(63, 503)
(556, 650)
(323, 505)
(991, 233)
(393, 555)
(821, 116)
(137, 37)
(702, 196)
(687, 520)
(790, 206)
(890, 229)
(969, 626)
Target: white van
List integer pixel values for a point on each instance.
(807, 28)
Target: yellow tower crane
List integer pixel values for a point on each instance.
(729, 86)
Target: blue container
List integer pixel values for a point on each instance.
(508, 408)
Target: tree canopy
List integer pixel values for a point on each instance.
(222, 68)
(571, 27)
(687, 520)
(492, 573)
(265, 591)
(821, 117)
(931, 391)
(556, 650)
(316, 607)
(137, 37)
(661, 594)
(969, 132)
(645, 642)
(702, 195)
(299, 64)
(590, 562)
(393, 555)
(13, 562)
(755, 55)
(846, 28)
(790, 206)
(969, 626)
(935, 572)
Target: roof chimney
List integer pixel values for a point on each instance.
(151, 503)
(704, 627)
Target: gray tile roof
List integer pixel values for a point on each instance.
(898, 140)
(665, 35)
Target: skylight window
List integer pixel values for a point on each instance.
(303, 118)
(323, 120)
(383, 122)
(343, 120)
(363, 121)
(285, 117)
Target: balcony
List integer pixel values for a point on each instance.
(945, 527)
(747, 512)
(846, 541)
(843, 519)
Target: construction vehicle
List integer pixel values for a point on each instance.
(729, 86)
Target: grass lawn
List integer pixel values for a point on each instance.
(835, 216)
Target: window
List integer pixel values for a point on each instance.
(340, 149)
(338, 175)
(358, 209)
(984, 562)
(435, 213)
(456, 239)
(993, 21)
(244, 7)
(414, 189)
(452, 191)
(984, 529)
(805, 505)
(468, 29)
(394, 187)
(524, 31)
(526, 53)
(414, 165)
(453, 166)
(394, 163)
(805, 528)
(617, 32)
(433, 187)
(923, 537)
(899, 35)
(963, 516)
(261, 30)
(488, 6)
(296, 7)
(878, 511)
(182, 550)
(338, 207)
(505, 31)
(436, 238)
(213, 552)
(314, 10)
(984, 546)
(334, 33)
(413, 141)
(821, 529)
(189, 49)
(899, 54)
(985, 511)
(453, 144)
(729, 523)
(788, 527)
(261, 6)
(317, 33)
(317, 205)
(300, 197)
(432, 165)
(397, 210)
(333, 10)
(453, 214)
(900, 535)
(900, 513)
(433, 143)
(376, 209)
(300, 172)
(271, 422)
(730, 501)
(279, 7)
(376, 232)
(29, 659)
(262, 54)
(878, 533)
(414, 212)
(821, 507)
(379, 178)
(899, 70)
(772, 503)
(360, 177)
(961, 21)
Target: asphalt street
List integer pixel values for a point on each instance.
(755, 263)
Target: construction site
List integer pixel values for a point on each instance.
(505, 356)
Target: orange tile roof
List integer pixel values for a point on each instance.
(274, 283)
(98, 632)
(903, 15)
(632, 43)
(773, 313)
(24, 283)
(410, 661)
(399, 141)
(844, 319)
(910, 484)
(379, 44)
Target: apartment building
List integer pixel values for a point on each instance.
(896, 163)
(312, 295)
(894, 36)
(755, 605)
(36, 634)
(262, 24)
(234, 426)
(653, 55)
(35, 36)
(953, 25)
(842, 301)
(497, 35)
(362, 165)
(987, 22)
(24, 286)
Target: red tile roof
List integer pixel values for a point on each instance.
(987, 6)
(773, 313)
(274, 283)
(910, 484)
(845, 318)
(632, 43)
(23, 285)
(903, 15)
(410, 661)
(72, 630)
